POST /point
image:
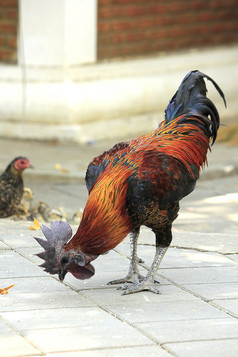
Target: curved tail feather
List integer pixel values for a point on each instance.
(190, 98)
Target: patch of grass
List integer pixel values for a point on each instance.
(228, 134)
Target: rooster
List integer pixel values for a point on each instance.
(11, 186)
(138, 182)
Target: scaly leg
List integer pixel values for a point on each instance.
(148, 282)
(133, 275)
(163, 240)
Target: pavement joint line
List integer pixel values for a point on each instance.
(202, 250)
(21, 334)
(118, 317)
(100, 306)
(141, 331)
(227, 255)
(223, 309)
(203, 340)
(182, 247)
(208, 301)
(196, 249)
(95, 349)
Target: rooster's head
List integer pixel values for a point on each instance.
(57, 259)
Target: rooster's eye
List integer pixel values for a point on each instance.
(22, 162)
(64, 260)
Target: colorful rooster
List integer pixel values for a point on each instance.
(138, 182)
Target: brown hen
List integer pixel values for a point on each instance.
(11, 186)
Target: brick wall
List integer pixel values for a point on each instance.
(8, 31)
(142, 27)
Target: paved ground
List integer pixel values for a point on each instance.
(197, 311)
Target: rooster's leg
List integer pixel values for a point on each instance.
(133, 275)
(163, 240)
(148, 282)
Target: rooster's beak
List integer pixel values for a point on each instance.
(62, 274)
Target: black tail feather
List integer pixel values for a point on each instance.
(191, 98)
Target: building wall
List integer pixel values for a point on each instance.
(8, 31)
(58, 89)
(142, 27)
(145, 27)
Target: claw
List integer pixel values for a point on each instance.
(142, 286)
(130, 278)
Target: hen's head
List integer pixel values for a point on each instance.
(57, 259)
(19, 164)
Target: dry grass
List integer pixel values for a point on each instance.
(228, 134)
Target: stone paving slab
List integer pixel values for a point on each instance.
(230, 305)
(3, 246)
(137, 351)
(4, 327)
(13, 265)
(214, 290)
(107, 333)
(218, 348)
(166, 311)
(206, 241)
(184, 276)
(41, 301)
(13, 344)
(59, 318)
(111, 296)
(181, 331)
(233, 257)
(179, 258)
(99, 281)
(42, 316)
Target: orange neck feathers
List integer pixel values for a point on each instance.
(187, 142)
(105, 222)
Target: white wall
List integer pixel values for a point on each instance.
(57, 32)
(58, 91)
(106, 100)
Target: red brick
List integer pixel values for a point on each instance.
(132, 1)
(177, 6)
(110, 12)
(11, 42)
(7, 28)
(145, 10)
(104, 2)
(130, 27)
(128, 24)
(9, 3)
(104, 26)
(223, 3)
(12, 14)
(185, 19)
(5, 55)
(206, 16)
(164, 20)
(198, 5)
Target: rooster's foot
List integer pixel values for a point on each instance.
(145, 285)
(130, 278)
